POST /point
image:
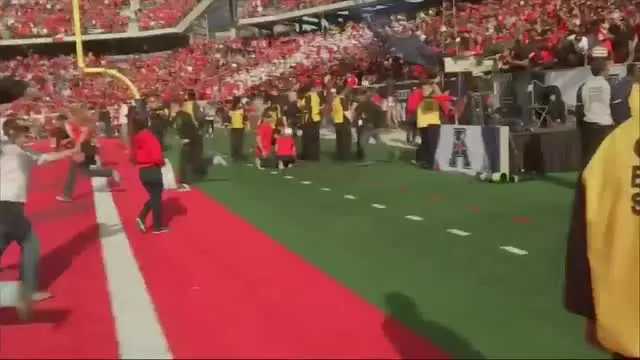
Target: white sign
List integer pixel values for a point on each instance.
(461, 149)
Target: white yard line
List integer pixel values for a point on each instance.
(273, 172)
(137, 326)
(414, 217)
(458, 232)
(514, 250)
(325, 189)
(288, 177)
(378, 206)
(349, 196)
(305, 182)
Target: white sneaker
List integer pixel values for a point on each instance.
(184, 188)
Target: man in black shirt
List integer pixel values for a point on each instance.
(370, 118)
(620, 91)
(520, 67)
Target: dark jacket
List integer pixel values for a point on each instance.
(11, 89)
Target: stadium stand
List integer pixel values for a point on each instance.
(552, 33)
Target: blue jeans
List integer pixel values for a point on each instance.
(14, 226)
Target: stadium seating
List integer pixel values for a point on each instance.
(48, 18)
(220, 70)
(256, 8)
(158, 14)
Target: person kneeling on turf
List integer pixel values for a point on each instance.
(286, 148)
(264, 143)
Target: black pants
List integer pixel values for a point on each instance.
(311, 141)
(151, 179)
(411, 129)
(191, 161)
(591, 136)
(426, 152)
(343, 141)
(236, 142)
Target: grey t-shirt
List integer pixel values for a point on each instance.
(15, 171)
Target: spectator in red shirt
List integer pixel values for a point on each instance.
(286, 148)
(264, 142)
(146, 153)
(81, 129)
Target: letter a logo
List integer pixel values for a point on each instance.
(460, 149)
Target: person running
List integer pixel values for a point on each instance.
(80, 128)
(15, 171)
(147, 155)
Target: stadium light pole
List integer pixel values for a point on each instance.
(77, 29)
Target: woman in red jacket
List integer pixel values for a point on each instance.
(147, 155)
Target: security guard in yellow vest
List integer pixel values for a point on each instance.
(428, 123)
(602, 271)
(342, 126)
(236, 133)
(311, 118)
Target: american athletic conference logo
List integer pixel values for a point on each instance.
(459, 149)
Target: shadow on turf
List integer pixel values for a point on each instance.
(55, 262)
(401, 307)
(53, 265)
(172, 208)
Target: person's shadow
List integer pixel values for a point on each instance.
(172, 208)
(402, 308)
(52, 266)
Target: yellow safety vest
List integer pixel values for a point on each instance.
(428, 113)
(237, 119)
(337, 110)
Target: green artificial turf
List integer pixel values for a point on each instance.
(474, 299)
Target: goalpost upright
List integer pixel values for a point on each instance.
(77, 29)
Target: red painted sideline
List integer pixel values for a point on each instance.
(224, 289)
(77, 322)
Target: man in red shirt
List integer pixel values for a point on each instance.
(81, 127)
(264, 143)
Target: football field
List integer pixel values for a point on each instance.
(323, 260)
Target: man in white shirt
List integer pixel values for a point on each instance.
(593, 109)
(15, 172)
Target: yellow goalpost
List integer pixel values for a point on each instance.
(77, 29)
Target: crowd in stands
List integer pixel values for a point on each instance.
(213, 70)
(257, 8)
(22, 19)
(553, 33)
(159, 14)
(50, 18)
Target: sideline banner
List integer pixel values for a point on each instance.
(473, 149)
